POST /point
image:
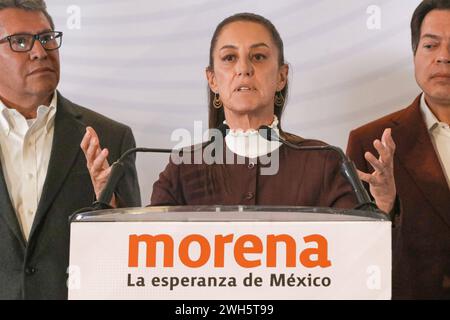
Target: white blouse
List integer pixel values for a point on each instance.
(250, 143)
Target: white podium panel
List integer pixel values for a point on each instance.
(229, 255)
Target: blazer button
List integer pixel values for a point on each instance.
(30, 271)
(249, 195)
(251, 165)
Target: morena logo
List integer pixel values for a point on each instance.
(243, 246)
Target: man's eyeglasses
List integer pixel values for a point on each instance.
(50, 40)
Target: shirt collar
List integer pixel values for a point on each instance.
(4, 118)
(44, 113)
(50, 111)
(246, 133)
(430, 119)
(250, 143)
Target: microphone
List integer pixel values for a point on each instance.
(118, 170)
(347, 167)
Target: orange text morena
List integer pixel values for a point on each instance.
(243, 246)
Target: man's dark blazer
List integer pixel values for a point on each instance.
(421, 233)
(37, 270)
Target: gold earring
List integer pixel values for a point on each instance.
(217, 103)
(279, 99)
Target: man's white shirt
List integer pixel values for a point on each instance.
(440, 137)
(25, 154)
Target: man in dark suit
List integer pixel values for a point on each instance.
(421, 233)
(44, 177)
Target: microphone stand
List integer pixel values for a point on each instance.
(347, 168)
(118, 170)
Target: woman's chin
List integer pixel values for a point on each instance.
(247, 107)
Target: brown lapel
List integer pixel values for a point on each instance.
(416, 153)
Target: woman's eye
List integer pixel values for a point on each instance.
(228, 58)
(259, 57)
(428, 46)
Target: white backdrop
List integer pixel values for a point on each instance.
(142, 63)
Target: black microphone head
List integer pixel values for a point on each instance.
(268, 133)
(213, 134)
(223, 128)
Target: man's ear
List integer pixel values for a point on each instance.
(282, 77)
(210, 76)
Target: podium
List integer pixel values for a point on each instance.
(230, 252)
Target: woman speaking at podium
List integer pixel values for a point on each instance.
(248, 86)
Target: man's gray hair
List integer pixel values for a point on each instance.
(28, 5)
